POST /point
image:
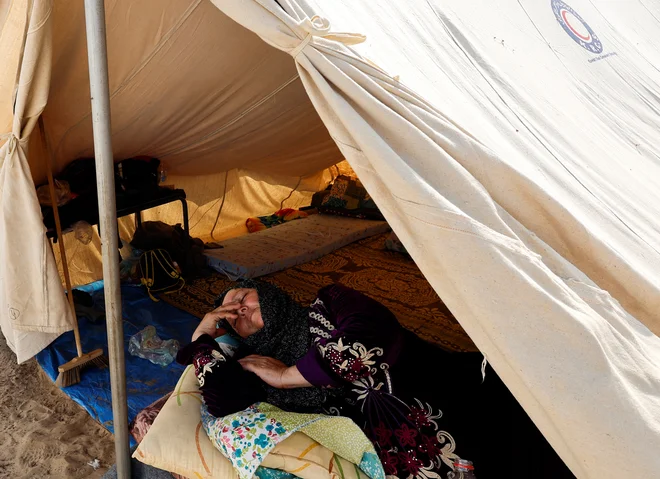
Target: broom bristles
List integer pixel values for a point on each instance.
(68, 378)
(70, 372)
(101, 362)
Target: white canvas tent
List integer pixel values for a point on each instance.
(513, 147)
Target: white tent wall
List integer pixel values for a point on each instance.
(560, 128)
(188, 86)
(499, 195)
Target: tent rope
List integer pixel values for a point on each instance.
(224, 195)
(292, 191)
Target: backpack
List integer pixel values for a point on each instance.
(159, 274)
(187, 252)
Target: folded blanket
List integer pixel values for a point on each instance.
(301, 456)
(246, 438)
(263, 222)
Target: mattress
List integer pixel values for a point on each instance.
(289, 244)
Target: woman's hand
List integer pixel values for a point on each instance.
(273, 372)
(208, 325)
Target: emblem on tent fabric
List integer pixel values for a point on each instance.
(576, 27)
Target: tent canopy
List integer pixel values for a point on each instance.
(513, 147)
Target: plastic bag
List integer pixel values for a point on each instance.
(147, 345)
(62, 194)
(83, 231)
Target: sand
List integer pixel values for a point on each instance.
(43, 433)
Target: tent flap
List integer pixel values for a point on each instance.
(513, 233)
(34, 309)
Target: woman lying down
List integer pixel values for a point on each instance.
(423, 409)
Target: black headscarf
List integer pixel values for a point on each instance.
(285, 336)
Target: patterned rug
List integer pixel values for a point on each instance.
(366, 266)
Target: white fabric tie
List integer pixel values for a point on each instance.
(12, 141)
(320, 27)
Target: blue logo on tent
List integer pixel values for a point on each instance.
(576, 27)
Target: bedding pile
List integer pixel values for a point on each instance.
(247, 437)
(278, 445)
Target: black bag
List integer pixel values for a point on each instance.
(137, 176)
(187, 252)
(159, 274)
(81, 176)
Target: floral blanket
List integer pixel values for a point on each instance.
(247, 437)
(260, 223)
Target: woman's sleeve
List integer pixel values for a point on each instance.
(364, 334)
(315, 370)
(226, 387)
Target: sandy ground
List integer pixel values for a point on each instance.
(43, 433)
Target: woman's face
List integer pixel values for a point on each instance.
(248, 316)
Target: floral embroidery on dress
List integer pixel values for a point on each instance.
(422, 415)
(407, 434)
(204, 362)
(351, 362)
(447, 454)
(415, 448)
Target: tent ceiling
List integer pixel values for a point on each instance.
(194, 89)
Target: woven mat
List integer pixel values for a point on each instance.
(389, 277)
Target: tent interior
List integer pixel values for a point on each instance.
(231, 122)
(532, 228)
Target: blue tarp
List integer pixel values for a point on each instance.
(145, 382)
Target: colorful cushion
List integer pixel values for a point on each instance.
(346, 192)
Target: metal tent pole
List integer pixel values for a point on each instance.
(97, 55)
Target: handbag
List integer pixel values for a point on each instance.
(159, 274)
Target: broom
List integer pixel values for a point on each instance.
(69, 373)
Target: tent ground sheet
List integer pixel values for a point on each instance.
(145, 382)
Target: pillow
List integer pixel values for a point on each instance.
(176, 442)
(348, 197)
(260, 223)
(346, 192)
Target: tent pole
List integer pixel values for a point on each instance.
(97, 55)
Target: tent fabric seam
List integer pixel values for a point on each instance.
(516, 247)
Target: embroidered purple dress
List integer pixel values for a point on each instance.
(421, 406)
